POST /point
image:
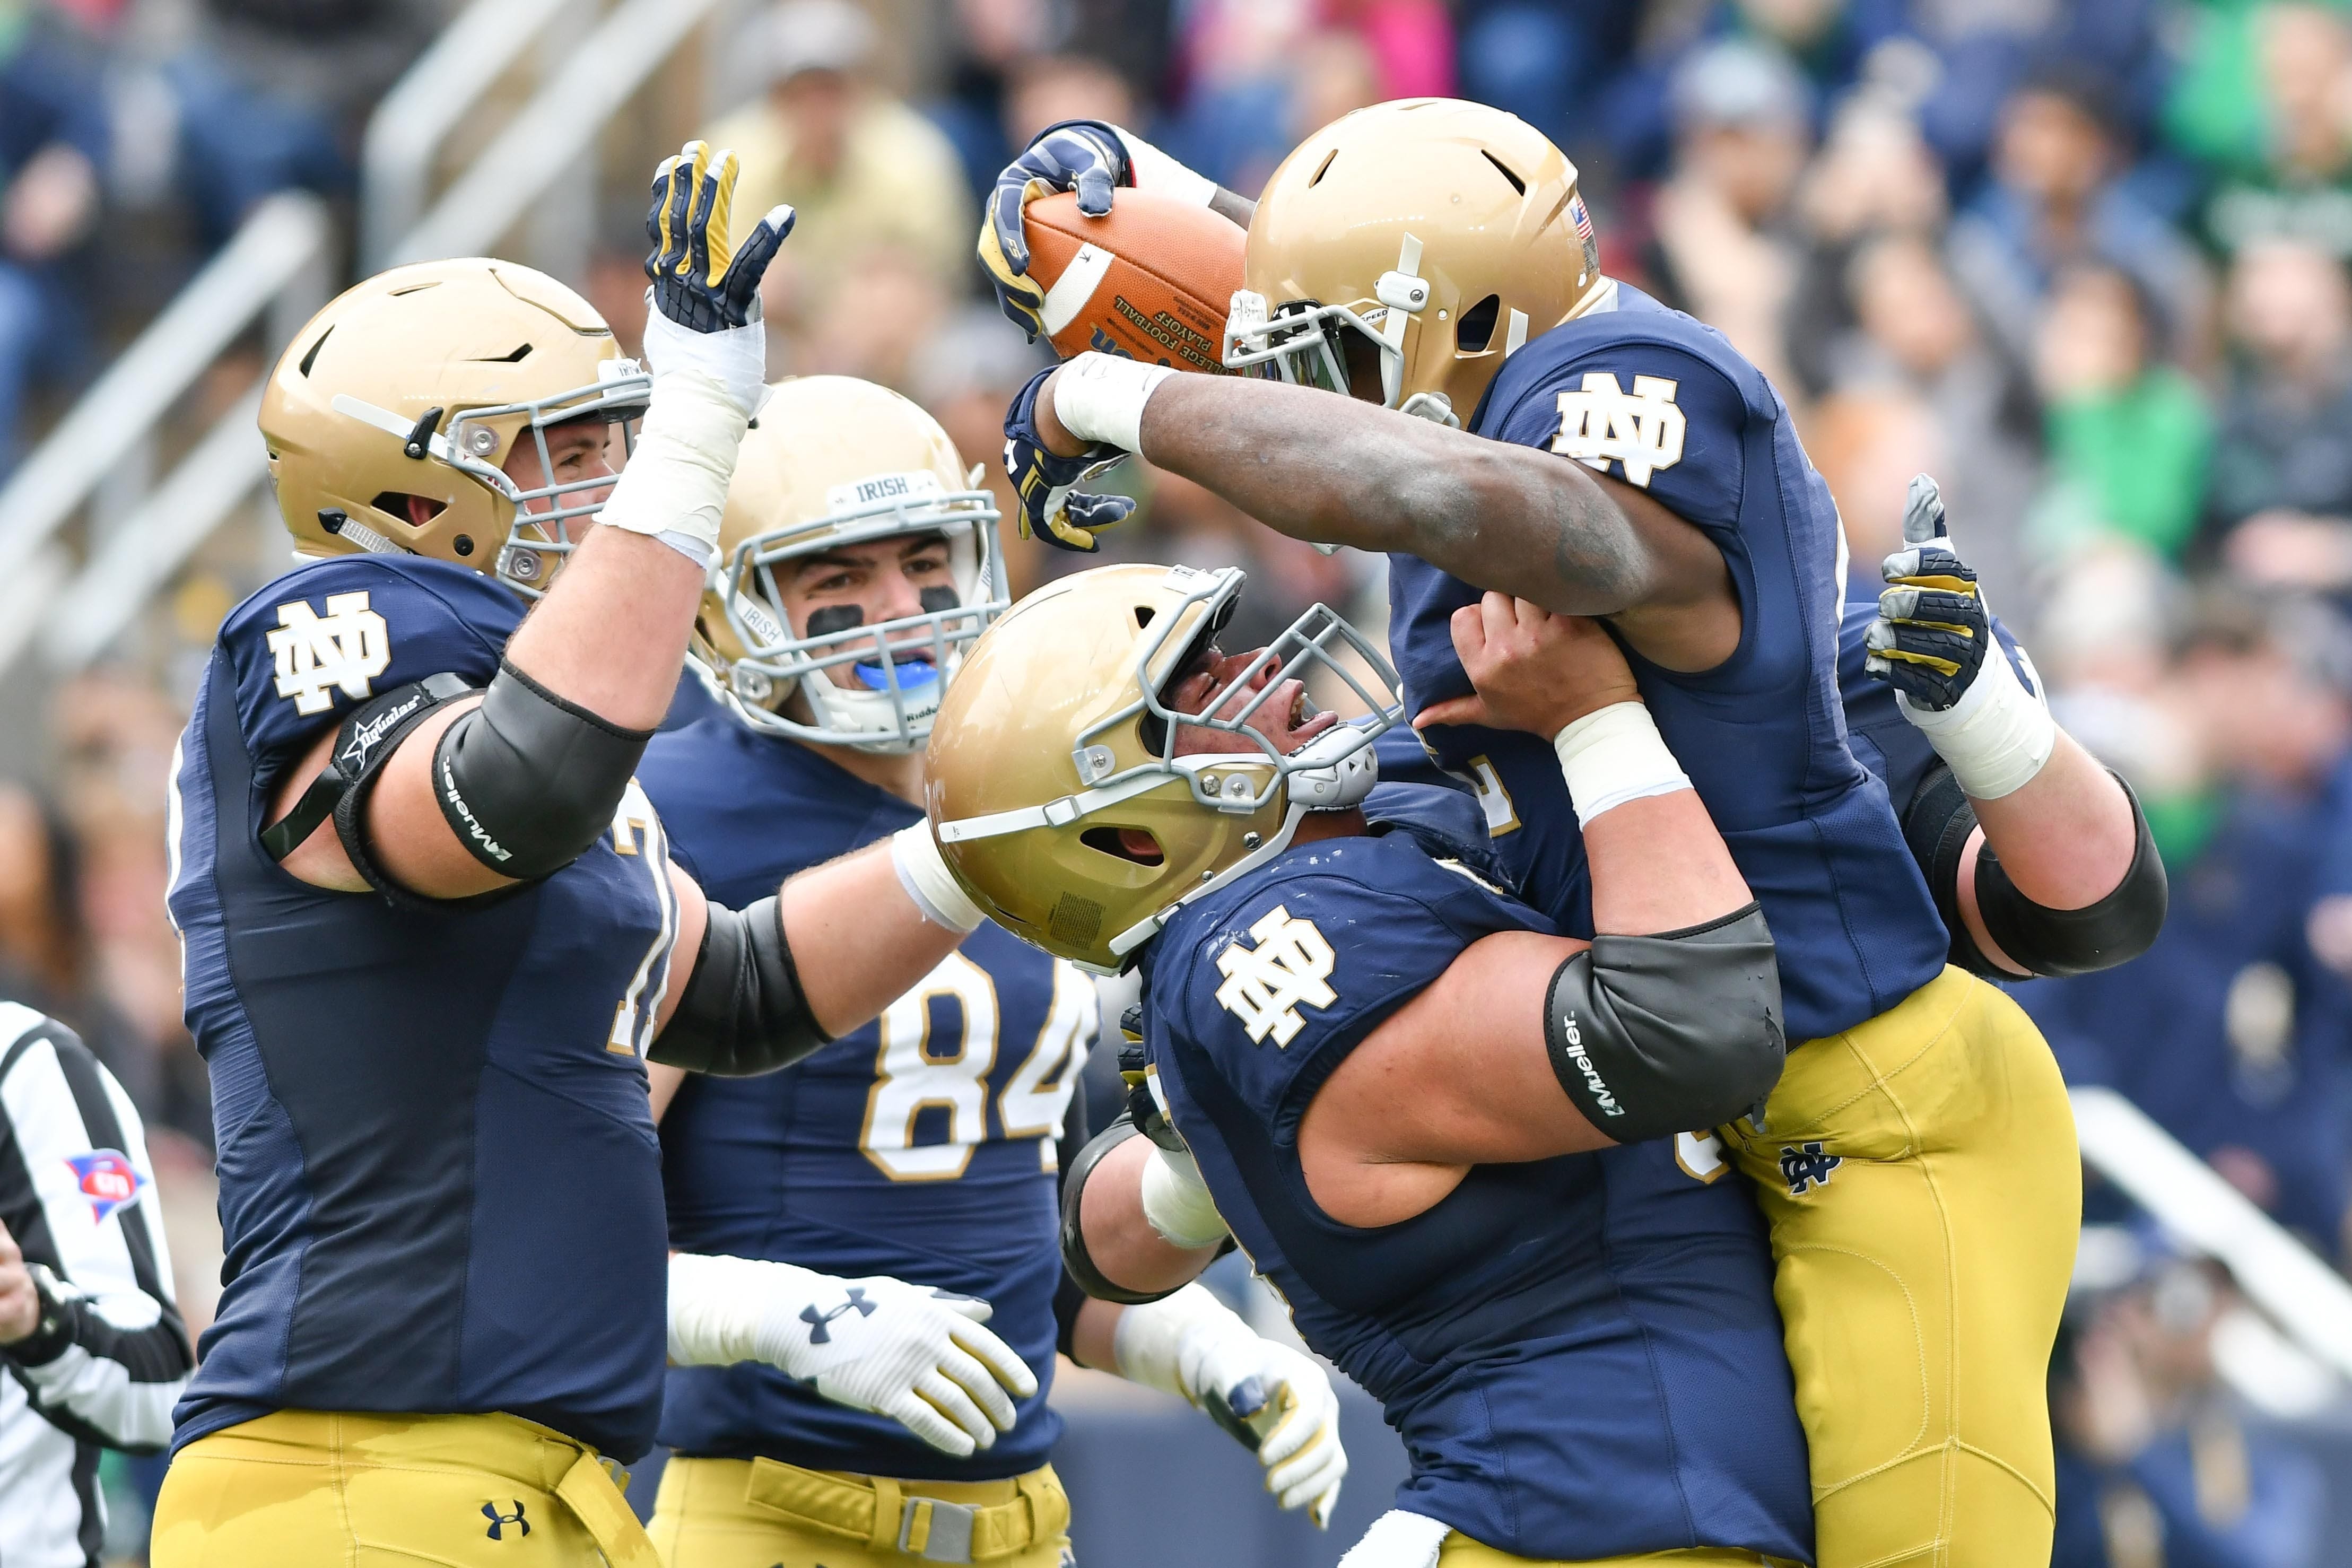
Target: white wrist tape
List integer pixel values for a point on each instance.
(724, 1310)
(1996, 737)
(925, 876)
(1162, 175)
(675, 483)
(1614, 755)
(1177, 1202)
(1162, 1344)
(734, 358)
(1100, 397)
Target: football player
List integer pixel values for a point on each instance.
(1433, 259)
(431, 931)
(1445, 1134)
(859, 562)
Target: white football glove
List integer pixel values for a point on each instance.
(915, 1354)
(1192, 1345)
(1399, 1540)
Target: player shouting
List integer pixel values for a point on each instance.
(859, 562)
(1916, 1162)
(430, 924)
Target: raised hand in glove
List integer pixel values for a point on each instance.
(706, 286)
(1931, 640)
(1052, 508)
(1273, 1400)
(1089, 156)
(915, 1354)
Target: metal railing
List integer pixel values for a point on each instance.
(73, 615)
(2309, 1302)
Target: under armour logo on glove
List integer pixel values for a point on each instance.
(702, 279)
(1807, 1167)
(819, 1334)
(1932, 629)
(498, 1522)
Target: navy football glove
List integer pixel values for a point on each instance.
(701, 279)
(1933, 628)
(1082, 155)
(1050, 508)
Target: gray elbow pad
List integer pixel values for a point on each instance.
(742, 1012)
(528, 780)
(1652, 1036)
(2061, 943)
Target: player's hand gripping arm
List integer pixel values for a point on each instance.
(2040, 858)
(1532, 1045)
(478, 795)
(918, 1355)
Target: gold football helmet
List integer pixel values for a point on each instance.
(420, 382)
(1440, 235)
(1059, 733)
(834, 461)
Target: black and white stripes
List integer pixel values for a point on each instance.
(77, 1193)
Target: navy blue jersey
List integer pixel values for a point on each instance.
(1651, 397)
(439, 1185)
(1581, 1354)
(919, 1146)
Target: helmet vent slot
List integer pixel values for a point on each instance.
(312, 357)
(1323, 168)
(512, 357)
(1517, 184)
(1143, 614)
(1476, 329)
(1111, 841)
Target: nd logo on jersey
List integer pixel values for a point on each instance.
(1265, 986)
(345, 649)
(1602, 425)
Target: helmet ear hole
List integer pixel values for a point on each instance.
(415, 510)
(1134, 845)
(1476, 329)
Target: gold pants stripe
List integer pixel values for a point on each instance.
(1921, 1178)
(1459, 1552)
(755, 1514)
(307, 1488)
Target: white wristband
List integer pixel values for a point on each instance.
(1996, 737)
(1614, 755)
(1100, 397)
(1177, 1202)
(1162, 175)
(925, 875)
(1154, 1341)
(676, 480)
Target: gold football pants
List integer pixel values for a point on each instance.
(758, 1513)
(1461, 1552)
(306, 1488)
(1925, 1194)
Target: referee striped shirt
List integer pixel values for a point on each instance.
(78, 1193)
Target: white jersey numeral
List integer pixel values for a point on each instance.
(909, 1078)
(637, 832)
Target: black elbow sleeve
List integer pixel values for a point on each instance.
(2062, 943)
(1076, 1261)
(742, 1012)
(1936, 825)
(528, 780)
(1652, 1036)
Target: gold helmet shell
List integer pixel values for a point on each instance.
(420, 382)
(1445, 233)
(1057, 734)
(834, 461)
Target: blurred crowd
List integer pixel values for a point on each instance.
(2086, 260)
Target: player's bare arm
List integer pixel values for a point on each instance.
(2037, 852)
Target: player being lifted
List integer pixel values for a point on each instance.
(859, 562)
(1916, 1162)
(431, 931)
(1386, 1067)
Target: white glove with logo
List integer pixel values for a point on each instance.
(1270, 1398)
(1399, 1540)
(915, 1354)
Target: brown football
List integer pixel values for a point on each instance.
(1151, 281)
